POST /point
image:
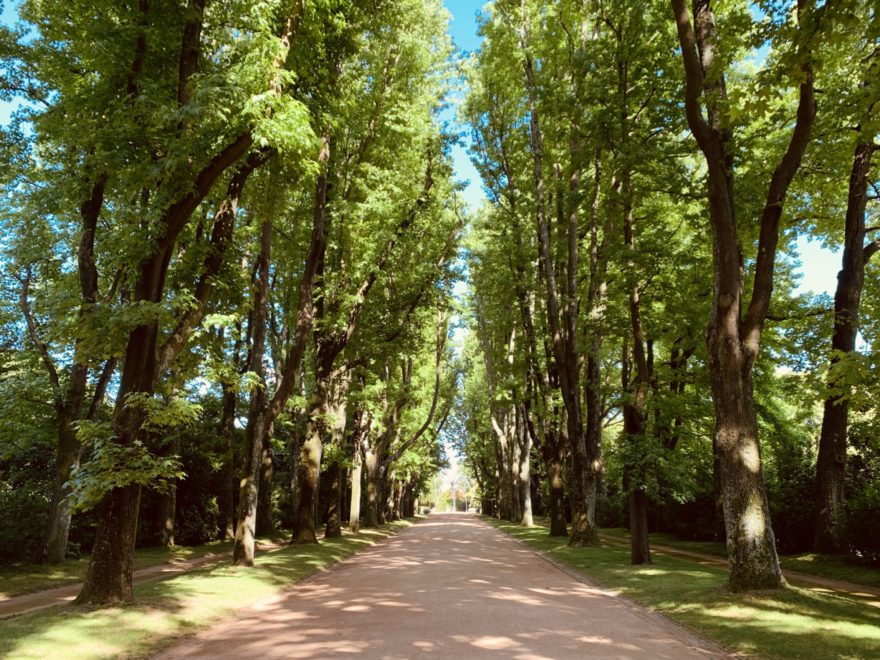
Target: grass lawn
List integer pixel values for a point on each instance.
(18, 579)
(168, 609)
(828, 566)
(791, 623)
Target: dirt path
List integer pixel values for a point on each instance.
(868, 595)
(59, 596)
(449, 587)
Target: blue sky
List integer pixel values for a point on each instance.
(463, 28)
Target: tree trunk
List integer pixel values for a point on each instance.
(265, 519)
(333, 528)
(259, 425)
(831, 464)
(338, 426)
(68, 411)
(557, 495)
(640, 547)
(227, 471)
(67, 458)
(382, 489)
(734, 341)
(371, 462)
(168, 511)
(354, 514)
(634, 410)
(525, 477)
(309, 473)
(108, 579)
(168, 501)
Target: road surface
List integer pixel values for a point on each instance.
(449, 587)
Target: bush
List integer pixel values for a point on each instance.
(861, 527)
(23, 517)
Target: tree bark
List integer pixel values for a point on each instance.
(70, 409)
(339, 422)
(831, 464)
(227, 471)
(311, 452)
(265, 517)
(371, 463)
(634, 411)
(525, 477)
(259, 424)
(354, 514)
(733, 341)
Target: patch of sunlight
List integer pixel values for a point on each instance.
(793, 622)
(753, 523)
(605, 641)
(490, 643)
(652, 571)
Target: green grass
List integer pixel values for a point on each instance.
(168, 609)
(20, 578)
(790, 623)
(832, 567)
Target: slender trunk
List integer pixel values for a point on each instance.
(69, 450)
(333, 528)
(338, 425)
(227, 471)
(67, 459)
(354, 514)
(525, 479)
(371, 462)
(168, 509)
(296, 442)
(265, 518)
(831, 464)
(557, 499)
(259, 425)
(634, 414)
(108, 579)
(382, 489)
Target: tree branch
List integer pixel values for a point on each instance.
(221, 236)
(363, 291)
(101, 389)
(762, 288)
(441, 344)
(693, 74)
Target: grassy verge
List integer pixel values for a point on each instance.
(827, 566)
(791, 623)
(18, 579)
(168, 609)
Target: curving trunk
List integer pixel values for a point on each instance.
(734, 339)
